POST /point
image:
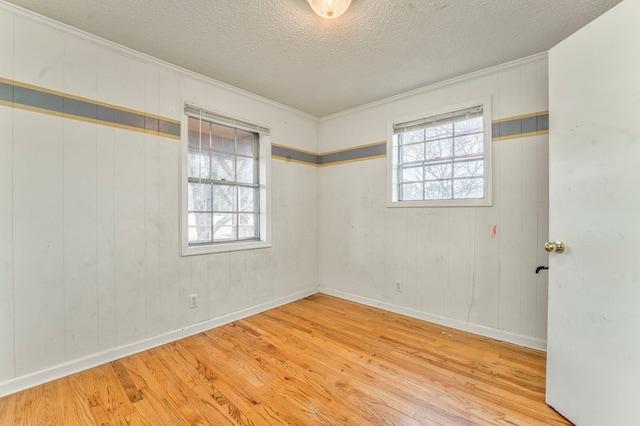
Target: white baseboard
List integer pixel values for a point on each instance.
(505, 336)
(81, 364)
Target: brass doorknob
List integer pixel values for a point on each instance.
(554, 246)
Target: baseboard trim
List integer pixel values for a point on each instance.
(505, 336)
(81, 364)
(74, 366)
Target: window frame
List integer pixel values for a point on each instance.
(393, 167)
(264, 182)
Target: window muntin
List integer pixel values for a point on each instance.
(442, 159)
(223, 183)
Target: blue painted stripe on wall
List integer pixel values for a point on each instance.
(127, 118)
(37, 99)
(6, 92)
(520, 126)
(353, 154)
(292, 154)
(80, 108)
(543, 122)
(169, 127)
(85, 109)
(151, 124)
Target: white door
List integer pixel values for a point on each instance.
(593, 352)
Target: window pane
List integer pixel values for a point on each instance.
(205, 165)
(248, 199)
(440, 132)
(198, 149)
(223, 138)
(439, 149)
(199, 227)
(413, 174)
(199, 234)
(469, 145)
(468, 188)
(246, 226)
(193, 163)
(470, 125)
(412, 137)
(199, 165)
(412, 153)
(438, 190)
(205, 135)
(437, 171)
(194, 134)
(473, 168)
(223, 167)
(412, 191)
(199, 198)
(224, 227)
(246, 170)
(200, 219)
(245, 143)
(224, 198)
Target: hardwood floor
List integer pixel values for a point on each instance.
(317, 361)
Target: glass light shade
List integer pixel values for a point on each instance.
(329, 9)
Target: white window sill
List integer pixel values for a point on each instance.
(224, 247)
(442, 203)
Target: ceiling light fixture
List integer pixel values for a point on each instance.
(329, 9)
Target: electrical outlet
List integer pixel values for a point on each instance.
(193, 301)
(398, 285)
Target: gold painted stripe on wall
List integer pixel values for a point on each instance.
(28, 97)
(87, 100)
(522, 135)
(88, 120)
(353, 148)
(354, 160)
(520, 117)
(39, 110)
(516, 127)
(291, 160)
(294, 149)
(348, 155)
(336, 163)
(520, 126)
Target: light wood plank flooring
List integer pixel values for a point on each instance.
(317, 361)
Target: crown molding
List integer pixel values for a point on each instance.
(65, 29)
(441, 84)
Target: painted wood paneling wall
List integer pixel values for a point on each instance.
(454, 268)
(90, 214)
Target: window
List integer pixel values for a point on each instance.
(224, 183)
(442, 159)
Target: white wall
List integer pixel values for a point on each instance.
(453, 269)
(90, 267)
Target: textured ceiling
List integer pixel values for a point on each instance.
(281, 50)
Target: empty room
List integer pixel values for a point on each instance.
(319, 212)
